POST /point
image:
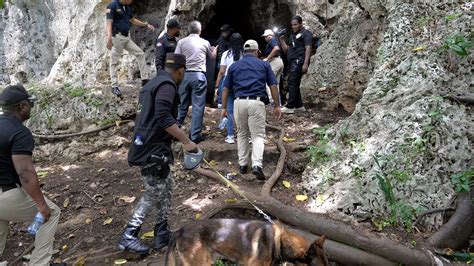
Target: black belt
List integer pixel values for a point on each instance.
(5, 188)
(121, 33)
(258, 98)
(198, 71)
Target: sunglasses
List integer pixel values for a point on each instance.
(31, 100)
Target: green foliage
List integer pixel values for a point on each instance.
(2, 4)
(463, 181)
(400, 212)
(220, 262)
(322, 151)
(422, 22)
(74, 91)
(458, 44)
(451, 17)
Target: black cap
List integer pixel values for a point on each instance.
(173, 24)
(175, 61)
(14, 94)
(226, 27)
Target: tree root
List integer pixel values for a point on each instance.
(462, 99)
(64, 136)
(423, 214)
(456, 232)
(27, 250)
(267, 187)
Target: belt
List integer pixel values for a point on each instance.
(197, 71)
(5, 188)
(258, 98)
(121, 33)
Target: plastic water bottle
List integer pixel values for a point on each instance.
(35, 225)
(223, 123)
(138, 140)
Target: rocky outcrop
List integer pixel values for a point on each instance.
(397, 152)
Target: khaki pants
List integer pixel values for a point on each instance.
(277, 68)
(17, 206)
(250, 120)
(121, 42)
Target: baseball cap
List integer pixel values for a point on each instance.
(14, 94)
(226, 27)
(175, 61)
(251, 45)
(193, 159)
(173, 24)
(267, 32)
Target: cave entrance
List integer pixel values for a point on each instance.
(247, 17)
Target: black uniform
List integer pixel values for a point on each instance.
(165, 44)
(224, 45)
(121, 16)
(296, 54)
(15, 139)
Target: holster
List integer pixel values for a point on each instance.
(157, 167)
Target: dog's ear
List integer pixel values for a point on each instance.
(320, 241)
(316, 252)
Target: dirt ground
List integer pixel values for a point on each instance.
(97, 193)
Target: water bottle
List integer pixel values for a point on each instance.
(223, 123)
(138, 140)
(34, 226)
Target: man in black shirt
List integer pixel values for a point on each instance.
(299, 52)
(119, 18)
(166, 43)
(155, 129)
(20, 194)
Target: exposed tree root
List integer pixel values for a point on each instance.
(423, 214)
(347, 242)
(64, 136)
(462, 99)
(456, 232)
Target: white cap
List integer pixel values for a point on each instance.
(251, 45)
(267, 32)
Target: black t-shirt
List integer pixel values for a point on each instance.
(297, 43)
(223, 45)
(121, 16)
(15, 139)
(165, 44)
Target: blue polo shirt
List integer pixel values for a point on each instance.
(248, 77)
(268, 49)
(121, 16)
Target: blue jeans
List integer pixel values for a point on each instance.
(230, 107)
(193, 88)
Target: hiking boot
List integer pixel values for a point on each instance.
(286, 110)
(197, 140)
(117, 92)
(129, 241)
(230, 139)
(162, 235)
(144, 81)
(243, 169)
(258, 172)
(300, 109)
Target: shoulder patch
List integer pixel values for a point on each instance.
(108, 10)
(159, 44)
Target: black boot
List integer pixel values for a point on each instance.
(129, 241)
(162, 235)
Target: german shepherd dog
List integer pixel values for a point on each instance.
(244, 242)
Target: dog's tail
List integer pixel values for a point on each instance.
(171, 251)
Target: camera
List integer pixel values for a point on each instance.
(279, 31)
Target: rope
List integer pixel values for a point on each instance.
(236, 189)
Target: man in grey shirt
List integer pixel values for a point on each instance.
(194, 85)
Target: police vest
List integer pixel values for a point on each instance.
(148, 137)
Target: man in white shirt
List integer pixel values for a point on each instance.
(194, 85)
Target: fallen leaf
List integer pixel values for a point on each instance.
(120, 261)
(108, 221)
(301, 197)
(65, 248)
(148, 235)
(88, 221)
(285, 139)
(231, 200)
(128, 199)
(286, 184)
(319, 200)
(229, 162)
(213, 163)
(419, 48)
(198, 216)
(66, 203)
(80, 261)
(42, 174)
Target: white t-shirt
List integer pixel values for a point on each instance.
(227, 60)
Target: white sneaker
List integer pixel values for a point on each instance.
(300, 110)
(230, 139)
(286, 110)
